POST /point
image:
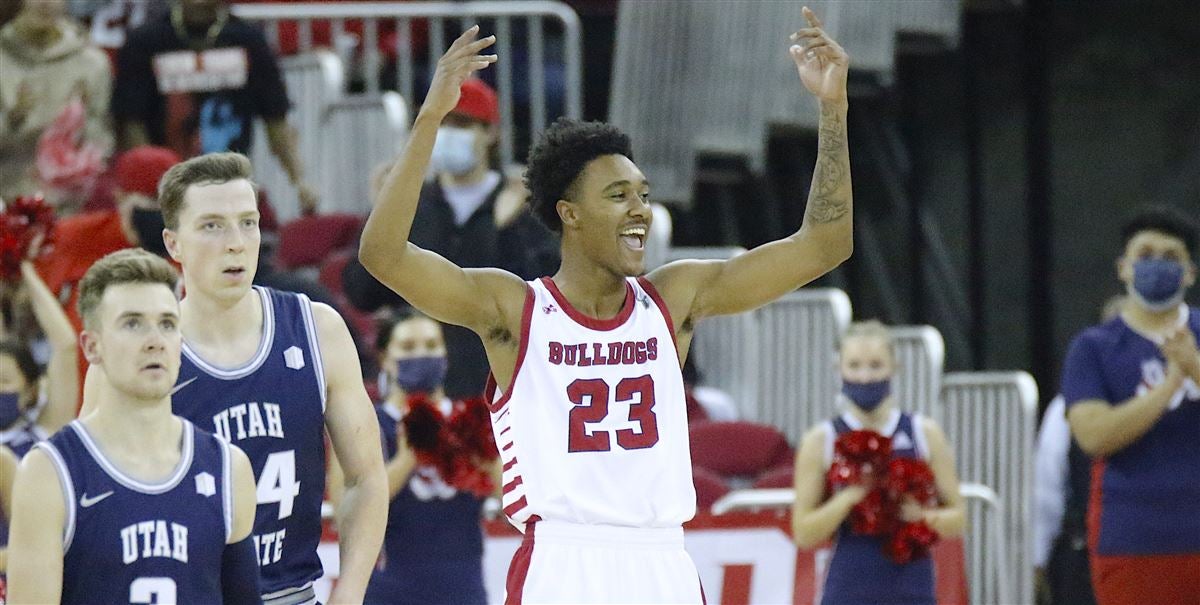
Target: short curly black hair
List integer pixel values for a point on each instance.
(1162, 219)
(558, 157)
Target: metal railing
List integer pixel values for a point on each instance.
(797, 369)
(990, 419)
(313, 81)
(987, 552)
(363, 132)
(535, 15)
(920, 355)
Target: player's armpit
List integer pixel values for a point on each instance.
(35, 541)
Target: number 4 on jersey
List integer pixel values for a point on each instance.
(277, 483)
(590, 397)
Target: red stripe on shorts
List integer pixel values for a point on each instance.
(518, 570)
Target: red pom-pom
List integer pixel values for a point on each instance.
(874, 515)
(20, 223)
(910, 542)
(424, 427)
(869, 450)
(911, 478)
(459, 447)
(471, 424)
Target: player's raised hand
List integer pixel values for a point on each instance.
(460, 61)
(822, 62)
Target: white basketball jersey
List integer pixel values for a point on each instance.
(593, 428)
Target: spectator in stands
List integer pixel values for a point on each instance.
(1061, 483)
(859, 572)
(1132, 391)
(51, 76)
(108, 21)
(22, 422)
(433, 548)
(475, 217)
(82, 240)
(194, 79)
(23, 385)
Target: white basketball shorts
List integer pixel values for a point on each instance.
(561, 562)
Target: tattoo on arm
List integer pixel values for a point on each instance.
(829, 198)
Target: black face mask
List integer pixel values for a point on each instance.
(149, 227)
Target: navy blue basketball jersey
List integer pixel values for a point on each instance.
(127, 541)
(859, 572)
(433, 547)
(273, 407)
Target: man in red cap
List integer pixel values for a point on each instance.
(84, 239)
(472, 215)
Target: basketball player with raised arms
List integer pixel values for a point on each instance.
(271, 372)
(132, 504)
(587, 400)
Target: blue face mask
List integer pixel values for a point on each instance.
(1157, 283)
(10, 409)
(867, 395)
(420, 374)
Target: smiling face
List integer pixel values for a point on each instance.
(609, 215)
(217, 240)
(135, 339)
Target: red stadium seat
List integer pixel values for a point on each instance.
(780, 476)
(709, 487)
(330, 274)
(738, 448)
(308, 240)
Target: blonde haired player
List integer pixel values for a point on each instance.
(589, 406)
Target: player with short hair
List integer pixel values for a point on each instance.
(588, 404)
(1132, 390)
(271, 372)
(132, 504)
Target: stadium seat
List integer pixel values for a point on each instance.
(308, 240)
(780, 476)
(738, 448)
(709, 487)
(330, 274)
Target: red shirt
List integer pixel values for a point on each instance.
(79, 241)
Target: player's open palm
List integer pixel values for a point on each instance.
(460, 61)
(822, 62)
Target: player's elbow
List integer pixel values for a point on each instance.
(372, 252)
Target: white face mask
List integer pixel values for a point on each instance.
(454, 151)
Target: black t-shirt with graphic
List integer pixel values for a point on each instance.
(198, 101)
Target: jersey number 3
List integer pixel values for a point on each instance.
(590, 397)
